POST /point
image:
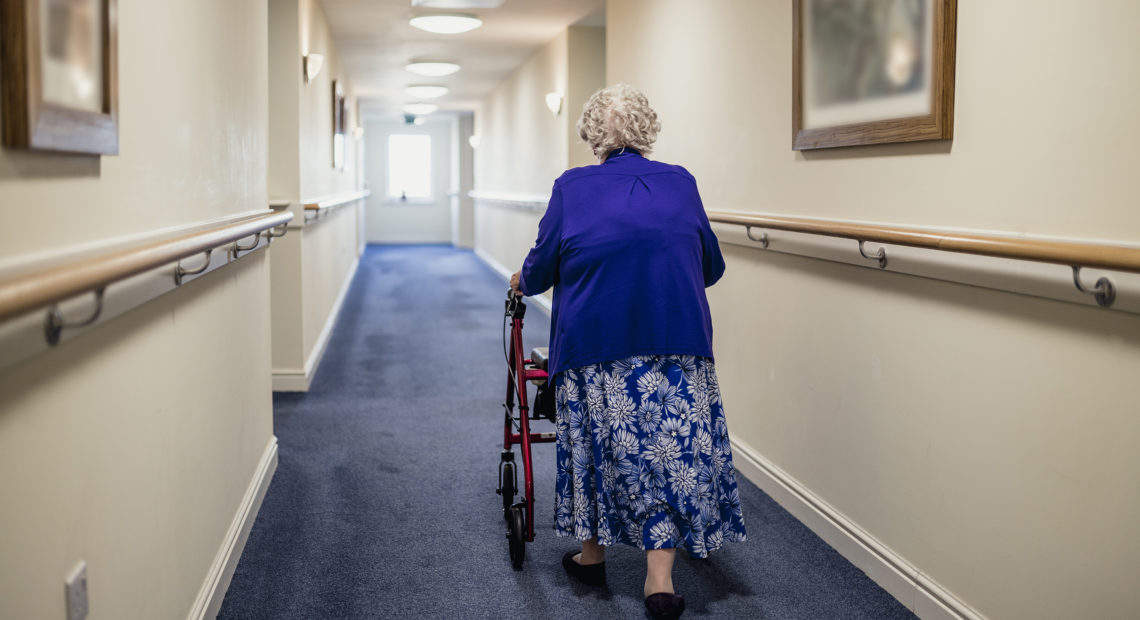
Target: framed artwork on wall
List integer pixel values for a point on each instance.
(340, 121)
(872, 72)
(60, 75)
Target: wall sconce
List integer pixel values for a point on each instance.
(554, 102)
(474, 140)
(312, 64)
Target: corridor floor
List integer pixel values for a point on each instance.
(383, 504)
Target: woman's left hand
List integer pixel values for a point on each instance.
(515, 284)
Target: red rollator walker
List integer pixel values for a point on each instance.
(516, 430)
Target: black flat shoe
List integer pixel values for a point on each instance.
(665, 606)
(589, 574)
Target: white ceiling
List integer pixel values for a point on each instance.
(375, 41)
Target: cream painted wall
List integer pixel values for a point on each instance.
(504, 235)
(394, 222)
(462, 182)
(984, 437)
(311, 268)
(318, 177)
(175, 108)
(285, 83)
(329, 263)
(586, 58)
(523, 147)
(132, 446)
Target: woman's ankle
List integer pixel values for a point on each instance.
(659, 571)
(657, 586)
(592, 553)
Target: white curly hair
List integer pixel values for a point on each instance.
(617, 117)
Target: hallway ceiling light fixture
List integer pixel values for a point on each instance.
(426, 91)
(312, 64)
(432, 68)
(457, 4)
(474, 140)
(420, 108)
(446, 23)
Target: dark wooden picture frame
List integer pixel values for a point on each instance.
(32, 119)
(339, 124)
(936, 122)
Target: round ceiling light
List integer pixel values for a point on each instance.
(420, 108)
(449, 23)
(426, 91)
(432, 69)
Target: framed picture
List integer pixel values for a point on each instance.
(340, 120)
(59, 75)
(872, 72)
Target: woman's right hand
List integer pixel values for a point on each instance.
(515, 284)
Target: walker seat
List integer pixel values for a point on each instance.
(540, 355)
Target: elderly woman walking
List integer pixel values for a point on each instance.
(643, 452)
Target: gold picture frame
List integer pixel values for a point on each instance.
(873, 72)
(59, 60)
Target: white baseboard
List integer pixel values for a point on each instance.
(920, 594)
(544, 300)
(291, 380)
(299, 379)
(213, 590)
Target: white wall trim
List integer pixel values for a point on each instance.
(213, 591)
(525, 202)
(918, 592)
(299, 379)
(544, 300)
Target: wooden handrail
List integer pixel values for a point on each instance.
(36, 290)
(1115, 257)
(318, 204)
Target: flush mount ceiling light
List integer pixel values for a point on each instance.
(426, 91)
(420, 108)
(446, 23)
(457, 4)
(432, 68)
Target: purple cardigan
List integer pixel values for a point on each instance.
(629, 251)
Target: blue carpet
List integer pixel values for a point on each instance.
(384, 504)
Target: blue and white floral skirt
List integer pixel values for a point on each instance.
(643, 455)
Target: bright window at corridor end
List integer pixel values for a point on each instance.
(409, 167)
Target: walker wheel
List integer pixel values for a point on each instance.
(507, 487)
(516, 534)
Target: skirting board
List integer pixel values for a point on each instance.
(920, 594)
(299, 379)
(543, 300)
(213, 591)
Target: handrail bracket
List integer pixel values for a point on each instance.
(880, 256)
(762, 240)
(237, 248)
(271, 234)
(54, 323)
(180, 271)
(1104, 292)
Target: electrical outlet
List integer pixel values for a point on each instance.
(76, 587)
